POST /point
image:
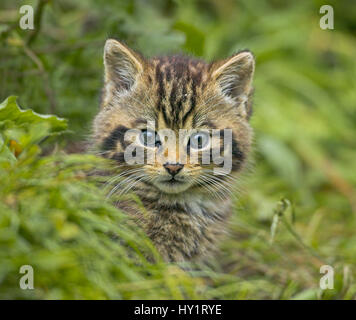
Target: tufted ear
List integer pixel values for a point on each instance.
(234, 77)
(122, 66)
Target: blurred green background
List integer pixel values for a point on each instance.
(296, 209)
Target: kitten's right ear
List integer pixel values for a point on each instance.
(122, 66)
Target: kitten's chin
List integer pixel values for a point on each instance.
(172, 187)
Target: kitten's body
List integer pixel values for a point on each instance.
(185, 214)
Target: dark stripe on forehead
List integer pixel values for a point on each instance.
(172, 98)
(168, 74)
(179, 109)
(192, 103)
(159, 79)
(110, 142)
(165, 116)
(161, 91)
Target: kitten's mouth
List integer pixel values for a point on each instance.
(172, 185)
(173, 181)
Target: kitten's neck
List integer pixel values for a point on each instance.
(182, 226)
(190, 202)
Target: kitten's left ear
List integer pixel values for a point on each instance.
(234, 77)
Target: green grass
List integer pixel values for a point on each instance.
(297, 207)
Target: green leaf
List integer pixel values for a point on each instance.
(9, 110)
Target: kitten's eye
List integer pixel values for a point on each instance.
(150, 138)
(199, 140)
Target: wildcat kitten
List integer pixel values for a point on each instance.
(186, 205)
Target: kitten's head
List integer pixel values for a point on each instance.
(147, 102)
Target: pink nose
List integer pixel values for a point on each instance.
(173, 168)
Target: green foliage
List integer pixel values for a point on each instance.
(305, 124)
(55, 218)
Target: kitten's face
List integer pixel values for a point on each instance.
(171, 109)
